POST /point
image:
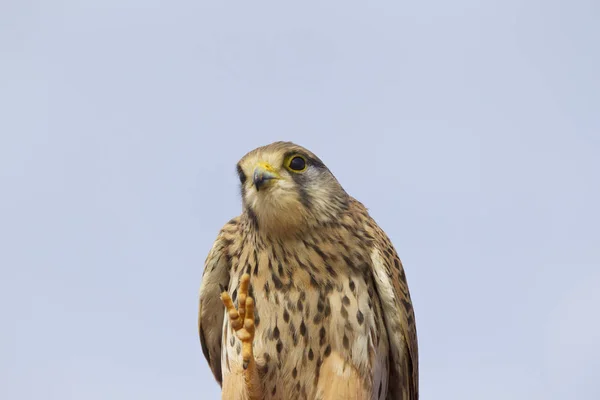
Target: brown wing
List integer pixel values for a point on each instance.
(399, 316)
(215, 280)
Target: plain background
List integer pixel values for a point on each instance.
(469, 129)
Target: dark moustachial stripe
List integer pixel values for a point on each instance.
(252, 217)
(304, 196)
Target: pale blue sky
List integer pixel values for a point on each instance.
(470, 129)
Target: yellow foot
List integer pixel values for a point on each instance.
(242, 319)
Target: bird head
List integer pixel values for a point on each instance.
(285, 188)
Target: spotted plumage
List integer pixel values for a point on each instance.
(323, 307)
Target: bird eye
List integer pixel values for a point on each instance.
(241, 174)
(297, 164)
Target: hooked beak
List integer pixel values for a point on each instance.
(264, 174)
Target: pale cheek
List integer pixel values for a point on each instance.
(250, 198)
(280, 201)
(284, 186)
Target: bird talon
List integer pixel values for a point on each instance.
(242, 318)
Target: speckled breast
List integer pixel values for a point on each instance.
(314, 297)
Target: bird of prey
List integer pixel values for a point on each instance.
(303, 295)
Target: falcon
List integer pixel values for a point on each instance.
(303, 295)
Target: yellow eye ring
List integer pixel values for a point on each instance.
(296, 163)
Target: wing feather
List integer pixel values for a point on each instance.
(399, 316)
(215, 279)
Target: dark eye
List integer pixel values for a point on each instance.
(297, 163)
(241, 174)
